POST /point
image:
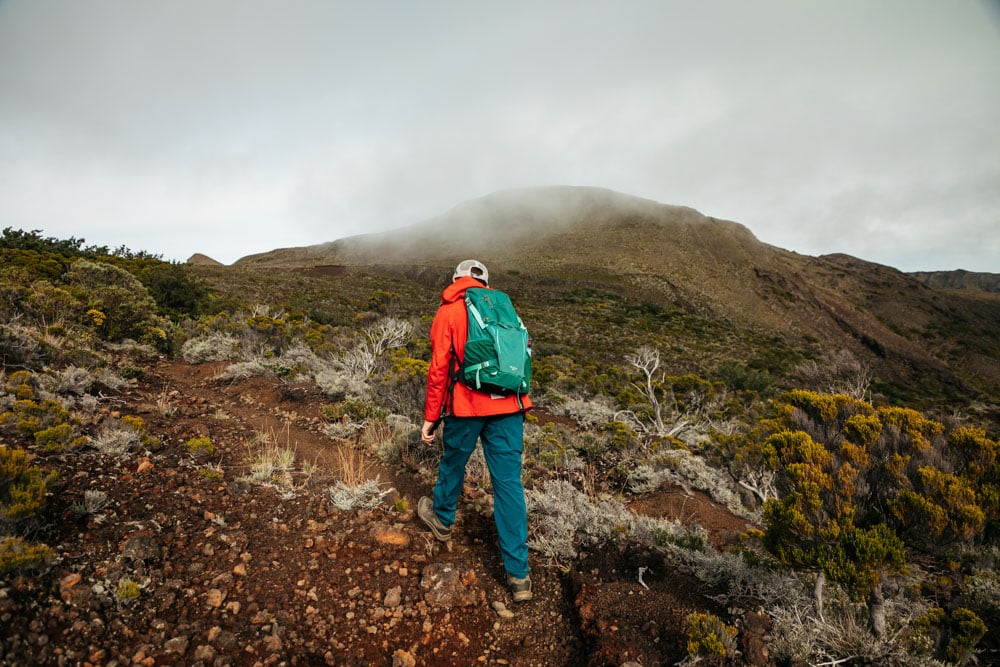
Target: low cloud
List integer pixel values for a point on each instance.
(846, 127)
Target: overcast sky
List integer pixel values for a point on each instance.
(231, 127)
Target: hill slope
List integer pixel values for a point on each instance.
(917, 339)
(987, 282)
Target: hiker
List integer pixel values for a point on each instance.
(469, 415)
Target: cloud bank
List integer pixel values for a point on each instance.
(231, 128)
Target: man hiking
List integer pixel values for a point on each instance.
(469, 414)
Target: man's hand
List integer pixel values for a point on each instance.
(427, 432)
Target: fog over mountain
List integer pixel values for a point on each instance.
(513, 223)
(235, 127)
(676, 258)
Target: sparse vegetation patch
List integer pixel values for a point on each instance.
(865, 493)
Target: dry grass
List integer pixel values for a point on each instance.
(356, 487)
(354, 467)
(269, 461)
(164, 406)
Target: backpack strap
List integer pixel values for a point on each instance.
(475, 313)
(477, 368)
(482, 325)
(454, 374)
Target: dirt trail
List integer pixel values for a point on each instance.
(600, 594)
(286, 413)
(243, 574)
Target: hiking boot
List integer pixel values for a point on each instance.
(425, 510)
(521, 588)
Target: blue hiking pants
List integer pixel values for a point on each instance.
(503, 443)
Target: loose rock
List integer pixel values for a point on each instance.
(444, 588)
(393, 597)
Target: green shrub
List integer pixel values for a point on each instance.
(46, 304)
(16, 555)
(21, 385)
(132, 372)
(551, 445)
(380, 300)
(861, 556)
(709, 638)
(404, 385)
(30, 417)
(211, 473)
(955, 633)
(127, 591)
(965, 630)
(404, 367)
(23, 487)
(739, 377)
(48, 422)
(200, 445)
(176, 290)
(621, 436)
(119, 304)
(355, 409)
(59, 438)
(137, 424)
(20, 239)
(20, 267)
(269, 333)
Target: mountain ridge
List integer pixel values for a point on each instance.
(959, 279)
(675, 257)
(488, 223)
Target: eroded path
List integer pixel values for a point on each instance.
(232, 572)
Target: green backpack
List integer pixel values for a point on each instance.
(497, 352)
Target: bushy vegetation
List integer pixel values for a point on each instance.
(74, 295)
(200, 445)
(709, 638)
(19, 555)
(176, 291)
(23, 491)
(23, 487)
(867, 508)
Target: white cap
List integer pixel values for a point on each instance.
(471, 267)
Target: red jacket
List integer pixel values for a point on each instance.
(448, 334)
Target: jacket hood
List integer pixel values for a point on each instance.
(456, 291)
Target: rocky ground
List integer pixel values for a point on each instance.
(235, 573)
